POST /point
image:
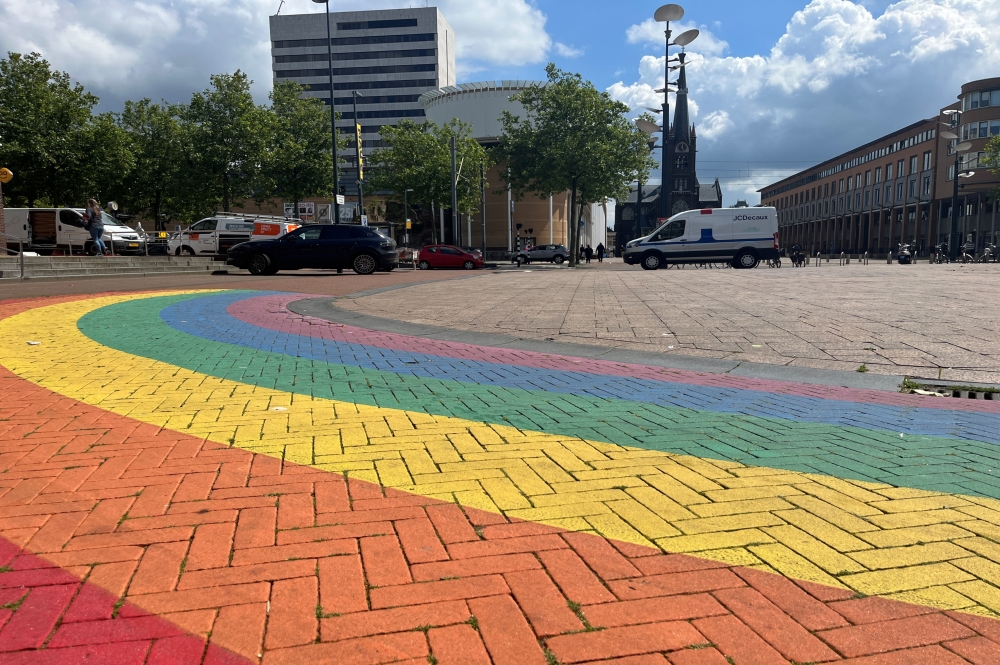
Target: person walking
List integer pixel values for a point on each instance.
(94, 222)
(600, 252)
(588, 252)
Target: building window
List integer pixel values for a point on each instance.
(866, 198)
(868, 178)
(899, 192)
(857, 181)
(877, 192)
(878, 175)
(354, 71)
(900, 168)
(913, 164)
(378, 25)
(840, 206)
(888, 194)
(927, 160)
(857, 201)
(827, 206)
(356, 41)
(927, 186)
(841, 187)
(888, 171)
(358, 55)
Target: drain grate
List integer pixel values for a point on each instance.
(955, 392)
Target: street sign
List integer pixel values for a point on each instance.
(364, 220)
(5, 176)
(340, 199)
(409, 225)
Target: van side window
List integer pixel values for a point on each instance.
(204, 225)
(674, 229)
(70, 218)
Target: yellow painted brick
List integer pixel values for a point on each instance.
(602, 484)
(393, 473)
(504, 493)
(734, 556)
(368, 475)
(714, 541)
(861, 491)
(762, 481)
(791, 564)
(986, 502)
(832, 514)
(727, 523)
(914, 505)
(468, 465)
(566, 459)
(353, 467)
(824, 531)
(443, 488)
(982, 568)
(477, 499)
(747, 471)
(464, 442)
(549, 471)
(674, 489)
(910, 555)
(582, 509)
(982, 547)
(614, 527)
(584, 450)
(820, 554)
(628, 472)
(642, 519)
(353, 436)
(981, 512)
(528, 481)
(570, 524)
(752, 493)
(839, 499)
(922, 518)
(913, 535)
(941, 597)
(903, 493)
(301, 453)
(894, 580)
(418, 461)
(692, 479)
(476, 474)
(985, 594)
(736, 507)
(567, 498)
(703, 467)
(327, 445)
(660, 504)
(506, 454)
(442, 452)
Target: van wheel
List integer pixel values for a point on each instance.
(746, 259)
(259, 264)
(652, 261)
(364, 264)
(558, 259)
(186, 251)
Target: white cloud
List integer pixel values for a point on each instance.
(568, 51)
(650, 33)
(127, 49)
(838, 77)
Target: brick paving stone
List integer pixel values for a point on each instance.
(457, 645)
(896, 634)
(625, 641)
(507, 635)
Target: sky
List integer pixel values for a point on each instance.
(775, 86)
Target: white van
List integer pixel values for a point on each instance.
(214, 236)
(46, 230)
(742, 237)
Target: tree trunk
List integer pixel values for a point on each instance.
(225, 192)
(3, 226)
(157, 218)
(574, 229)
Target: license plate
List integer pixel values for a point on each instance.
(133, 244)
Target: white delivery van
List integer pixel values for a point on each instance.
(742, 237)
(46, 230)
(214, 236)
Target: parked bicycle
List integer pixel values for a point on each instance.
(941, 253)
(989, 254)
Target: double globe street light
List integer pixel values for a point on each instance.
(956, 120)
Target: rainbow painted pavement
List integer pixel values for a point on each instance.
(209, 477)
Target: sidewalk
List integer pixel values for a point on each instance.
(209, 477)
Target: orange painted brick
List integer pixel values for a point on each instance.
(181, 519)
(147, 537)
(211, 546)
(260, 491)
(706, 656)
(675, 583)
(735, 640)
(289, 552)
(576, 580)
(56, 532)
(362, 489)
(295, 511)
(777, 628)
(159, 569)
(987, 627)
(487, 565)
(362, 651)
(648, 610)
(105, 517)
(384, 562)
(194, 487)
(451, 524)
(978, 650)
(674, 563)
(243, 574)
(933, 655)
(884, 636)
(507, 635)
(69, 480)
(393, 499)
(518, 530)
(292, 620)
(105, 585)
(457, 645)
(342, 585)
(543, 604)
(240, 629)
(420, 541)
(223, 504)
(154, 500)
(335, 532)
(625, 641)
(394, 620)
(233, 474)
(434, 592)
(255, 528)
(874, 609)
(826, 594)
(98, 555)
(601, 556)
(198, 622)
(506, 546)
(806, 610)
(199, 599)
(372, 515)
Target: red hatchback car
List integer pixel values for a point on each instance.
(449, 256)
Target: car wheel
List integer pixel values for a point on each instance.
(364, 264)
(186, 251)
(652, 261)
(259, 264)
(558, 259)
(469, 265)
(746, 260)
(424, 265)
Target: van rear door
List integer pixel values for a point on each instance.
(71, 230)
(42, 228)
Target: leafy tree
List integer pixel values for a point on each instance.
(299, 164)
(574, 138)
(418, 157)
(229, 137)
(992, 160)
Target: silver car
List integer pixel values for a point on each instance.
(551, 253)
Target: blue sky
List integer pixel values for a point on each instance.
(775, 85)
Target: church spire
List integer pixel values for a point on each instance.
(682, 123)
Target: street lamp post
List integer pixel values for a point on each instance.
(406, 218)
(360, 156)
(333, 117)
(959, 150)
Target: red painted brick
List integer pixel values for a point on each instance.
(625, 641)
(934, 655)
(487, 565)
(451, 524)
(777, 628)
(35, 619)
(576, 580)
(292, 620)
(239, 630)
(978, 650)
(130, 653)
(897, 634)
(342, 585)
(827, 594)
(507, 635)
(987, 627)
(433, 592)
(458, 645)
(707, 656)
(518, 530)
(295, 511)
(384, 562)
(113, 630)
(543, 604)
(806, 610)
(420, 541)
(506, 546)
(362, 489)
(159, 569)
(361, 651)
(734, 639)
(332, 497)
(674, 563)
(211, 546)
(874, 609)
(653, 610)
(675, 583)
(35, 578)
(395, 620)
(255, 528)
(176, 650)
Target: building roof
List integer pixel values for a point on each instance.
(479, 86)
(649, 192)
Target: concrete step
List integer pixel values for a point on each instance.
(58, 267)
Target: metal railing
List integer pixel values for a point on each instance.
(20, 252)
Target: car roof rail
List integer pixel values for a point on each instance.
(252, 216)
